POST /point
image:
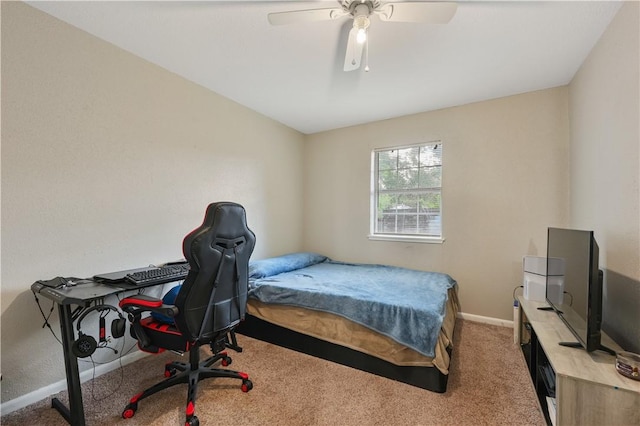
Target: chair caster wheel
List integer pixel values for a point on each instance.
(246, 385)
(226, 361)
(193, 421)
(129, 411)
(169, 371)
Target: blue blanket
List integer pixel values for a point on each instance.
(403, 304)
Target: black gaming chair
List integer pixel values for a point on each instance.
(209, 305)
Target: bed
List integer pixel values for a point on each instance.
(391, 321)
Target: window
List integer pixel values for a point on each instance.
(407, 193)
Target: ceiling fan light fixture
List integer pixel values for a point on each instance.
(361, 37)
(361, 23)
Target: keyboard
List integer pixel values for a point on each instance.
(162, 274)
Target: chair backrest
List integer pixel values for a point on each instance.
(213, 297)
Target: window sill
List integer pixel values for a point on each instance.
(406, 239)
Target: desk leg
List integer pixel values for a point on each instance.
(75, 413)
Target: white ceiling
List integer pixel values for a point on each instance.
(294, 74)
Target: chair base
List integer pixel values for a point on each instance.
(191, 373)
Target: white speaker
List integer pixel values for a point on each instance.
(535, 279)
(535, 287)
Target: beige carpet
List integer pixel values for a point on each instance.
(488, 385)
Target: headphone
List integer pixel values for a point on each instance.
(86, 345)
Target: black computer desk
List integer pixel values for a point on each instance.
(82, 295)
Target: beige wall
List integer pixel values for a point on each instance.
(79, 114)
(605, 167)
(505, 179)
(80, 120)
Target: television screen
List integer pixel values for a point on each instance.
(574, 283)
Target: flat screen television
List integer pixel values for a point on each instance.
(574, 285)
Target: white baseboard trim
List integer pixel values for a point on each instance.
(486, 320)
(42, 393)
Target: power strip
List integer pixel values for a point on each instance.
(516, 321)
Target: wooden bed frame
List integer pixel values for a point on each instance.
(429, 378)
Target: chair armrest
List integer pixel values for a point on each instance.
(135, 305)
(140, 301)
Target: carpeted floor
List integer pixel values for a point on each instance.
(488, 385)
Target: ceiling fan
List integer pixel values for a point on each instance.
(361, 11)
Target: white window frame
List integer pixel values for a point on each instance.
(379, 236)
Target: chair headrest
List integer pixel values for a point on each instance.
(224, 225)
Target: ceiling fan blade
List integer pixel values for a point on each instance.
(310, 15)
(422, 12)
(354, 52)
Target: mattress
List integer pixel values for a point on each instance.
(339, 330)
